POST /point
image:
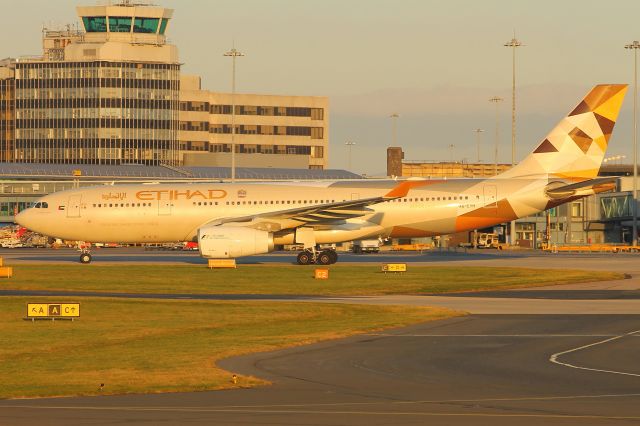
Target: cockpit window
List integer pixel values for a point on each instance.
(45, 205)
(41, 205)
(37, 205)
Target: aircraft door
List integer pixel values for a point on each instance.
(73, 206)
(490, 197)
(164, 207)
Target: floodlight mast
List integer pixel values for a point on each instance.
(233, 53)
(634, 46)
(513, 43)
(496, 100)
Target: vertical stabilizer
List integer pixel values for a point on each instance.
(575, 148)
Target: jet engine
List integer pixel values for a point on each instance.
(224, 242)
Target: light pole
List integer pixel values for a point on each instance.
(349, 144)
(513, 44)
(394, 128)
(478, 132)
(635, 46)
(234, 54)
(451, 147)
(496, 100)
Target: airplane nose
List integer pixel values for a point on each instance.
(24, 218)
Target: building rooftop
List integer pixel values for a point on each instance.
(88, 171)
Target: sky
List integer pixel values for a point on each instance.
(435, 63)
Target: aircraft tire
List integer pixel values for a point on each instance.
(334, 256)
(324, 258)
(85, 258)
(304, 258)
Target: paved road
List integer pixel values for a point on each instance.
(477, 370)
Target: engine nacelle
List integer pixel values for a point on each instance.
(228, 242)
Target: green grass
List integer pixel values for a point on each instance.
(268, 279)
(142, 346)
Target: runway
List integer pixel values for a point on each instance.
(562, 355)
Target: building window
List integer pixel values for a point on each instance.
(145, 25)
(95, 24)
(317, 114)
(317, 133)
(163, 25)
(576, 209)
(119, 24)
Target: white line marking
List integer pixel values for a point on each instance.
(554, 358)
(343, 404)
(336, 412)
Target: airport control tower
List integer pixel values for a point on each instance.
(105, 95)
(109, 90)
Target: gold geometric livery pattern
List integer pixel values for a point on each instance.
(576, 147)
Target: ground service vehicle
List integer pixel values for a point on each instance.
(366, 246)
(487, 240)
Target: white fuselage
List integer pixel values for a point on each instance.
(174, 212)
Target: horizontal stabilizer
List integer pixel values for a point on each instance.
(587, 187)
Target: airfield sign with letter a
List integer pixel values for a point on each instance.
(53, 310)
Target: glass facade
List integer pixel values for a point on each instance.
(120, 24)
(616, 207)
(145, 25)
(96, 113)
(95, 24)
(163, 25)
(7, 118)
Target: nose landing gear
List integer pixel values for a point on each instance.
(85, 256)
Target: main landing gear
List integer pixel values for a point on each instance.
(85, 256)
(310, 256)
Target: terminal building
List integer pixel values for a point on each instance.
(113, 93)
(398, 166)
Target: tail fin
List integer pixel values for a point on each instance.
(575, 148)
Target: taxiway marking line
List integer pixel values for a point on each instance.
(342, 404)
(340, 412)
(554, 358)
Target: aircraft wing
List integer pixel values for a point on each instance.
(586, 187)
(319, 214)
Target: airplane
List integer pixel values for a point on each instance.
(231, 220)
